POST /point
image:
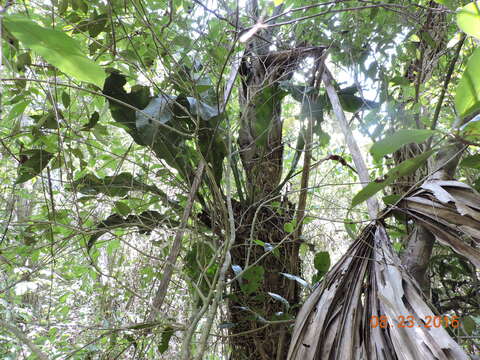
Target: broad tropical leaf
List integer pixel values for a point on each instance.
(393, 142)
(467, 97)
(57, 48)
(468, 19)
(405, 168)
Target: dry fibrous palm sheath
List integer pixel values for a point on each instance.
(451, 211)
(335, 321)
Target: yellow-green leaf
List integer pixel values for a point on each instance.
(405, 168)
(393, 142)
(467, 97)
(468, 19)
(56, 48)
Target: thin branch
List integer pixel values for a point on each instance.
(334, 11)
(302, 199)
(303, 8)
(215, 294)
(447, 81)
(177, 242)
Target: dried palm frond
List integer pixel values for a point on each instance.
(368, 282)
(336, 320)
(450, 210)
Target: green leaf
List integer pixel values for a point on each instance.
(352, 103)
(36, 161)
(289, 227)
(57, 48)
(122, 208)
(468, 19)
(167, 334)
(16, 110)
(468, 324)
(471, 130)
(312, 109)
(467, 97)
(393, 142)
(351, 228)
(113, 245)
(65, 99)
(298, 92)
(92, 121)
(62, 6)
(397, 246)
(405, 168)
(252, 279)
(447, 3)
(400, 80)
(116, 185)
(472, 161)
(23, 60)
(97, 24)
(259, 242)
(265, 102)
(321, 262)
(425, 35)
(391, 199)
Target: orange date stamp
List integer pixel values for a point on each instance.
(410, 321)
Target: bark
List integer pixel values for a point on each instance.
(262, 327)
(252, 336)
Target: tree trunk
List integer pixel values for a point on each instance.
(262, 329)
(251, 307)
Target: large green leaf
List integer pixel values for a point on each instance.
(313, 109)
(298, 92)
(36, 161)
(468, 19)
(472, 161)
(213, 146)
(405, 168)
(57, 48)
(145, 223)
(321, 262)
(352, 103)
(145, 126)
(116, 185)
(265, 102)
(393, 142)
(467, 97)
(137, 98)
(252, 279)
(167, 334)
